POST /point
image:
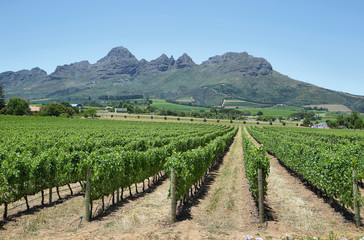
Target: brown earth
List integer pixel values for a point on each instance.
(223, 209)
(332, 107)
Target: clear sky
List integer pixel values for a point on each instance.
(320, 42)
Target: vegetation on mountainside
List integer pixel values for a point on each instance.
(120, 74)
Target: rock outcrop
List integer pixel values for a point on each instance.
(185, 61)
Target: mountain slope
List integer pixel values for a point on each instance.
(227, 76)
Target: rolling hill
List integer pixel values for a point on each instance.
(228, 76)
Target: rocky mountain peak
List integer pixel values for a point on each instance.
(161, 64)
(38, 71)
(243, 62)
(229, 56)
(185, 61)
(15, 79)
(118, 54)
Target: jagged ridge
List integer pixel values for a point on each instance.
(231, 75)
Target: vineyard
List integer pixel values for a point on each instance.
(42, 153)
(331, 161)
(227, 173)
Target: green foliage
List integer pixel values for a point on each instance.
(119, 153)
(64, 115)
(302, 115)
(324, 159)
(190, 166)
(352, 121)
(254, 159)
(91, 112)
(306, 122)
(2, 98)
(260, 113)
(266, 118)
(358, 123)
(66, 104)
(53, 109)
(17, 106)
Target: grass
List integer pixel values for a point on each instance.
(162, 104)
(243, 104)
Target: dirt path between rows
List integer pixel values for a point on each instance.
(297, 210)
(228, 210)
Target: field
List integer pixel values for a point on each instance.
(332, 107)
(241, 104)
(216, 167)
(276, 112)
(159, 103)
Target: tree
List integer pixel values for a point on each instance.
(353, 117)
(66, 104)
(358, 123)
(17, 106)
(91, 112)
(2, 99)
(53, 109)
(306, 122)
(260, 113)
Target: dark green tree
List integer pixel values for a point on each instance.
(2, 99)
(53, 109)
(306, 122)
(358, 123)
(91, 112)
(17, 106)
(66, 104)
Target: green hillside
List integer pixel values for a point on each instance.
(228, 76)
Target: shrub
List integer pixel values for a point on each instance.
(64, 115)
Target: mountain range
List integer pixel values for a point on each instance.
(228, 76)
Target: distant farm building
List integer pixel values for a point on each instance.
(121, 110)
(321, 125)
(34, 108)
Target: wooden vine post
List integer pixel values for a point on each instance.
(50, 195)
(173, 196)
(88, 196)
(261, 196)
(356, 201)
(5, 215)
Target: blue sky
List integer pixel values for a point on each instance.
(320, 42)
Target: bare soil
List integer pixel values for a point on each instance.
(332, 107)
(222, 209)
